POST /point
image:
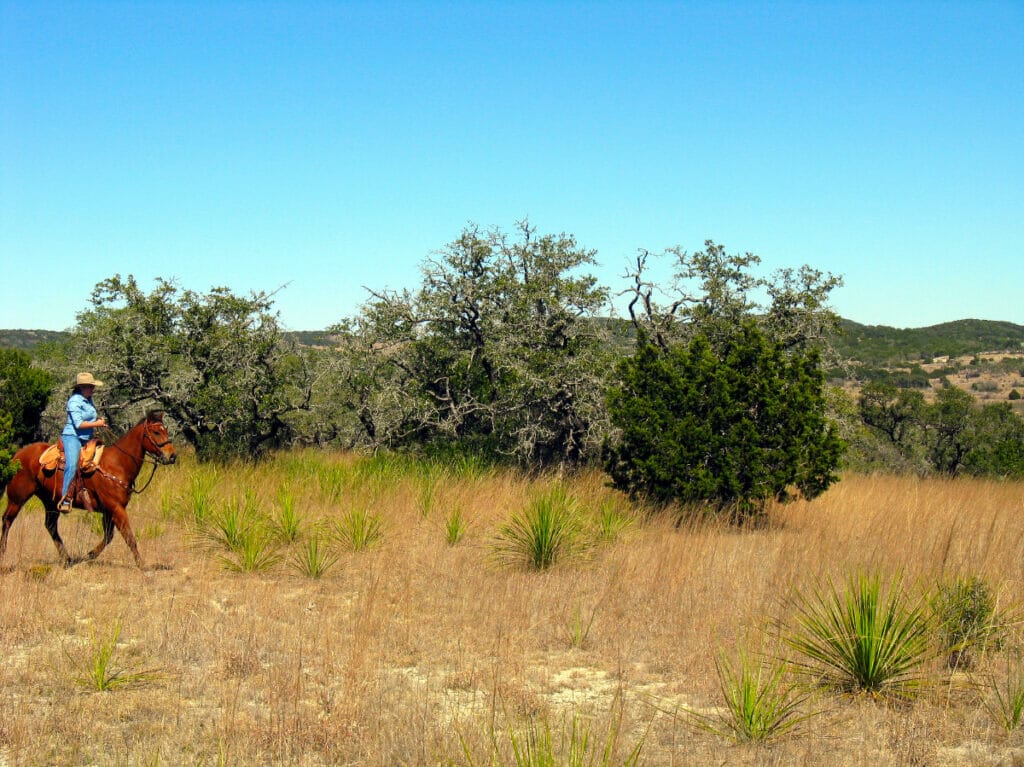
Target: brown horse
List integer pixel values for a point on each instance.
(109, 488)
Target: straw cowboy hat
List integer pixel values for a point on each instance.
(86, 379)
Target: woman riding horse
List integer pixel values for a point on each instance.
(110, 486)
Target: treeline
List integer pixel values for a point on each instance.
(714, 392)
(872, 346)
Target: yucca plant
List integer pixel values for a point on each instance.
(863, 639)
(286, 522)
(315, 557)
(762, 703)
(359, 529)
(254, 550)
(546, 531)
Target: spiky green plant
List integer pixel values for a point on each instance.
(286, 522)
(359, 529)
(315, 557)
(863, 639)
(612, 521)
(762, 703)
(254, 550)
(225, 527)
(543, 533)
(100, 673)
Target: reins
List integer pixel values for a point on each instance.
(130, 487)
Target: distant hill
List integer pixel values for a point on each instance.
(880, 345)
(26, 340)
(877, 345)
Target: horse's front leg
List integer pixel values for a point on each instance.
(108, 535)
(120, 518)
(52, 515)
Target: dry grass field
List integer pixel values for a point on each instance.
(424, 647)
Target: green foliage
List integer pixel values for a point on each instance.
(217, 363)
(8, 466)
(996, 442)
(861, 640)
(612, 520)
(1014, 395)
(733, 427)
(24, 393)
(761, 703)
(894, 413)
(947, 423)
(965, 614)
(547, 531)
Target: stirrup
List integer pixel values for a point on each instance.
(65, 504)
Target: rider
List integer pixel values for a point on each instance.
(78, 429)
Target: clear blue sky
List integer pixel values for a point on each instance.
(334, 145)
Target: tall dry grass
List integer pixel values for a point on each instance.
(418, 650)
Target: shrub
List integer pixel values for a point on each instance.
(965, 615)
(733, 428)
(1014, 394)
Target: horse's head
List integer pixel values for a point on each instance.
(155, 439)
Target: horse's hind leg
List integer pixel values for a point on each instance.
(108, 535)
(52, 515)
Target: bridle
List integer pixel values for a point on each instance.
(147, 433)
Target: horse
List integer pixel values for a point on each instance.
(109, 488)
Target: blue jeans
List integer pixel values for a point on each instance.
(72, 449)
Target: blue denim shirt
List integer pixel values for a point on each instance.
(79, 409)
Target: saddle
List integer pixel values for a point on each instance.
(88, 460)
